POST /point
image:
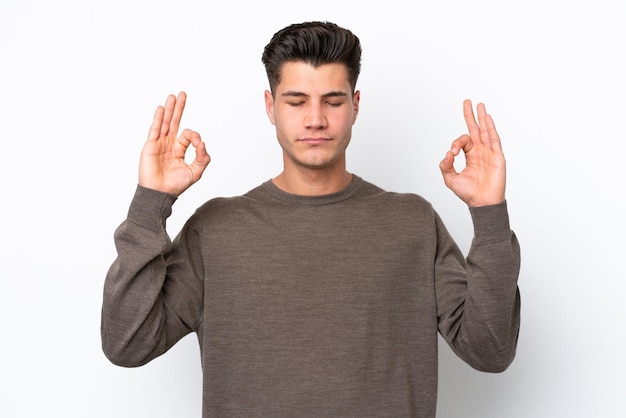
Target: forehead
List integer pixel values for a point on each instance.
(304, 77)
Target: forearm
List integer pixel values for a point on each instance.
(485, 329)
(135, 325)
(493, 266)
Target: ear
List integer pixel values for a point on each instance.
(356, 100)
(269, 106)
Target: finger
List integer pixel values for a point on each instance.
(183, 141)
(155, 128)
(202, 158)
(447, 168)
(482, 114)
(170, 103)
(494, 138)
(177, 114)
(200, 163)
(470, 120)
(464, 142)
(447, 164)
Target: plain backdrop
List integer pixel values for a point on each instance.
(79, 82)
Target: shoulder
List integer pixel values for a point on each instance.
(221, 208)
(395, 200)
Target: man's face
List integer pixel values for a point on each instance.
(313, 110)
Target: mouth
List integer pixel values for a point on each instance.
(314, 140)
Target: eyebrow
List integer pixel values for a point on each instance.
(293, 93)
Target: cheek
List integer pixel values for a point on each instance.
(287, 120)
(344, 121)
(285, 126)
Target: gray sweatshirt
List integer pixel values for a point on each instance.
(323, 306)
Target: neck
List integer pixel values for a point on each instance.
(312, 182)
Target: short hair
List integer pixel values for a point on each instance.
(314, 43)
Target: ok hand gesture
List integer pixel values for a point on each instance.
(162, 165)
(482, 182)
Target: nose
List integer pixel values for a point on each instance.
(315, 117)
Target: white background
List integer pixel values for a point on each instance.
(79, 81)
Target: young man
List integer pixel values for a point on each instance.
(316, 293)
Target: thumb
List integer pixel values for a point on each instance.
(447, 168)
(200, 162)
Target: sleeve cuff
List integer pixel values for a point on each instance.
(491, 223)
(150, 208)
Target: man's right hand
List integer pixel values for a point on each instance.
(162, 165)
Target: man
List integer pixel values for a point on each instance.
(316, 293)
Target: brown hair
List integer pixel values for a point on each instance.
(315, 43)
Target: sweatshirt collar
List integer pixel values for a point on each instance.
(326, 199)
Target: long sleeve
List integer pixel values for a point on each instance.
(153, 291)
(478, 298)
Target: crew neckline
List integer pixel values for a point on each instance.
(325, 199)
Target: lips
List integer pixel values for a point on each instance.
(314, 140)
